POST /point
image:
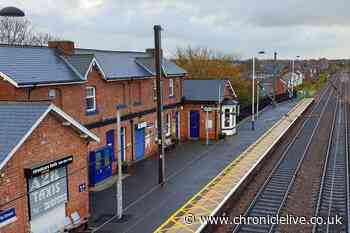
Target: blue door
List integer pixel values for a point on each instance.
(139, 143)
(100, 165)
(110, 143)
(194, 124)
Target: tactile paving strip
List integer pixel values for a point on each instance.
(211, 198)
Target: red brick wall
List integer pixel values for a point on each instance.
(214, 116)
(71, 98)
(280, 87)
(7, 90)
(48, 142)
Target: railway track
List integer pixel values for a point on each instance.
(334, 189)
(272, 195)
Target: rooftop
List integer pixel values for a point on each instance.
(19, 119)
(38, 65)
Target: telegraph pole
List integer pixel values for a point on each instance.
(158, 66)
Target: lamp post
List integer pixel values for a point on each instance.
(257, 91)
(292, 77)
(119, 185)
(253, 92)
(11, 12)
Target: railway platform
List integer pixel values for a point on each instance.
(214, 195)
(190, 167)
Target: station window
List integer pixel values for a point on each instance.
(90, 97)
(227, 118)
(171, 87)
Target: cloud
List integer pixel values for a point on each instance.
(317, 13)
(312, 28)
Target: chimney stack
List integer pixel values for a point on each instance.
(64, 46)
(152, 52)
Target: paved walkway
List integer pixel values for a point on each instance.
(190, 166)
(214, 195)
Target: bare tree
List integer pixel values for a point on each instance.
(20, 31)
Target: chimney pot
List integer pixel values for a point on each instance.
(65, 46)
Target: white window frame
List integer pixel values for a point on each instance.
(93, 96)
(171, 87)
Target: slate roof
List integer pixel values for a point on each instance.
(33, 65)
(118, 65)
(80, 62)
(30, 65)
(204, 90)
(267, 84)
(269, 68)
(18, 119)
(169, 68)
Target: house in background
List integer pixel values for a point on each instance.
(270, 86)
(43, 168)
(292, 80)
(89, 85)
(215, 96)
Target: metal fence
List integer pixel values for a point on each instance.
(246, 110)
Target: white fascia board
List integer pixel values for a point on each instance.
(74, 122)
(116, 79)
(51, 84)
(8, 79)
(24, 138)
(233, 90)
(94, 61)
(36, 124)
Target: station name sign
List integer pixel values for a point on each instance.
(7, 216)
(142, 125)
(45, 168)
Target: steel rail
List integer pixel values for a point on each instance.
(325, 168)
(346, 110)
(334, 188)
(283, 174)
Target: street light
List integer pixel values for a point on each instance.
(257, 91)
(292, 77)
(253, 91)
(11, 12)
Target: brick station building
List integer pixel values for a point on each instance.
(89, 85)
(215, 96)
(43, 168)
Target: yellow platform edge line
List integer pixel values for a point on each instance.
(308, 101)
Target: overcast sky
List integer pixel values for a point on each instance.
(309, 28)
